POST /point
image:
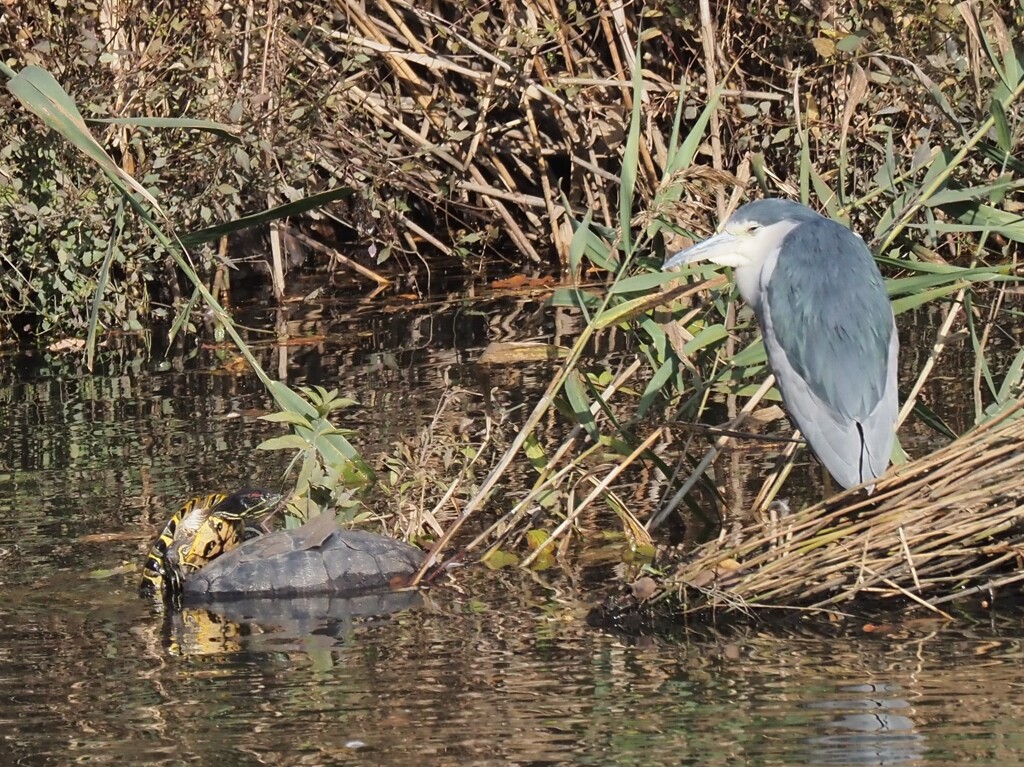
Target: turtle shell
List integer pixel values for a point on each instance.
(316, 558)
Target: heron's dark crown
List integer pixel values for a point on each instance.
(772, 211)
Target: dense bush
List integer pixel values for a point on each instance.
(463, 132)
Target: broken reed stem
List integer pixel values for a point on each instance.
(711, 453)
(600, 488)
(937, 347)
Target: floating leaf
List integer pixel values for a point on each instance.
(510, 352)
(536, 538)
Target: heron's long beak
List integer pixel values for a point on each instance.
(720, 249)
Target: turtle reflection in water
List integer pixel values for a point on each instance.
(227, 559)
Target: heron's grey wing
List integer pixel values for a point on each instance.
(832, 316)
(879, 427)
(831, 340)
(852, 451)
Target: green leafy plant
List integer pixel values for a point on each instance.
(329, 468)
(327, 456)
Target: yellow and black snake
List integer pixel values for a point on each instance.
(201, 530)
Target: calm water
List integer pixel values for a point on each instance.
(487, 668)
(492, 673)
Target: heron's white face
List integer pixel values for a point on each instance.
(744, 245)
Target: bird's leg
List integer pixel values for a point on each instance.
(826, 481)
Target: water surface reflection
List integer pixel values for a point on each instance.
(489, 671)
(483, 669)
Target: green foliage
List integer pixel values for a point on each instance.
(58, 235)
(329, 468)
(634, 276)
(330, 464)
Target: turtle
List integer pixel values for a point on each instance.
(317, 558)
(200, 530)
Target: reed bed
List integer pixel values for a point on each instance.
(475, 121)
(583, 142)
(948, 527)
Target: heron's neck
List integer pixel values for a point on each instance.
(748, 280)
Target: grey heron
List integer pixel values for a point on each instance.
(827, 324)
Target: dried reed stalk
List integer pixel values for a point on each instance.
(941, 528)
(487, 121)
